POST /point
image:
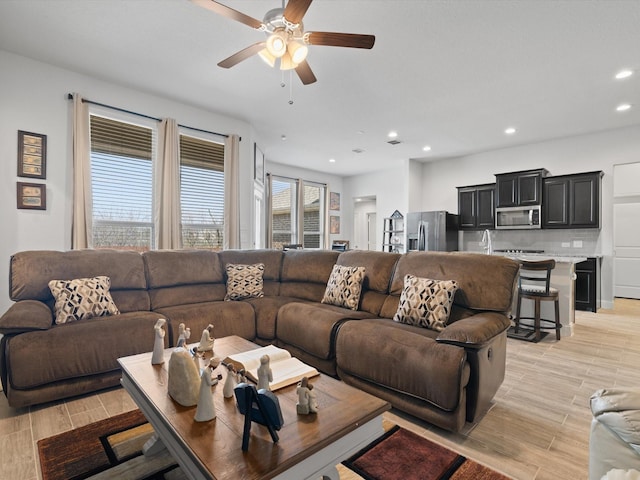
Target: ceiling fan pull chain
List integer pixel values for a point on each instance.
(282, 84)
(290, 87)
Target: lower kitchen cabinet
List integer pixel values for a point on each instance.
(586, 287)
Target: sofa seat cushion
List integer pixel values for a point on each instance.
(266, 311)
(227, 318)
(404, 360)
(312, 326)
(77, 349)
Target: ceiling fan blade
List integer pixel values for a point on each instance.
(304, 72)
(295, 10)
(242, 55)
(228, 12)
(333, 39)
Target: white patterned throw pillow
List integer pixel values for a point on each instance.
(344, 287)
(425, 302)
(82, 298)
(244, 281)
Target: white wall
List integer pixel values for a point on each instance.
(33, 97)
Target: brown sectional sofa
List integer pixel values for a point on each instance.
(446, 377)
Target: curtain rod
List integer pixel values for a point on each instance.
(117, 109)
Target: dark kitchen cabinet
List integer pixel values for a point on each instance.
(517, 189)
(586, 287)
(572, 201)
(476, 207)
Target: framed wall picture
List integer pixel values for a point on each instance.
(32, 155)
(258, 164)
(32, 196)
(334, 201)
(334, 224)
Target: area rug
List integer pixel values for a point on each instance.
(403, 455)
(111, 446)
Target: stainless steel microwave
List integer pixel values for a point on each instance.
(512, 218)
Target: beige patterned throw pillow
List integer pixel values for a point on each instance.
(244, 281)
(344, 287)
(82, 298)
(425, 302)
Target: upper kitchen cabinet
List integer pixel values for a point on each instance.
(476, 206)
(572, 201)
(516, 189)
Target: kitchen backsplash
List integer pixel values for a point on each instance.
(583, 241)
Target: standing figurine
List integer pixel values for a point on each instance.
(206, 408)
(157, 358)
(207, 339)
(302, 407)
(230, 382)
(184, 334)
(264, 373)
(313, 399)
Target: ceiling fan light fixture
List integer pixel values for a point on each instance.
(286, 62)
(277, 43)
(267, 57)
(297, 51)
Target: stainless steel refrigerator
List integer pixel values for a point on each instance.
(436, 231)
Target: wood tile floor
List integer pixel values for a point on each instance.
(537, 427)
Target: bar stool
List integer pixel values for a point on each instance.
(534, 284)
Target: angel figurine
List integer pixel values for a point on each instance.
(183, 335)
(157, 357)
(230, 382)
(206, 408)
(207, 339)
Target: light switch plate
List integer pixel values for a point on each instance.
(577, 244)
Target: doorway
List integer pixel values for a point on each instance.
(364, 223)
(626, 230)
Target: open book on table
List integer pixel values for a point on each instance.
(286, 369)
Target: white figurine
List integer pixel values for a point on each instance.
(302, 407)
(157, 358)
(206, 408)
(264, 373)
(184, 334)
(230, 382)
(207, 339)
(313, 399)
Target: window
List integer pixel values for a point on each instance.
(286, 226)
(122, 184)
(202, 193)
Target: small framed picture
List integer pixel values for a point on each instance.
(334, 224)
(258, 164)
(32, 155)
(32, 196)
(334, 201)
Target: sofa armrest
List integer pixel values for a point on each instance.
(25, 316)
(474, 331)
(619, 410)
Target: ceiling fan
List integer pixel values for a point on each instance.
(286, 39)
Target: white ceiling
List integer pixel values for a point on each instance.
(450, 74)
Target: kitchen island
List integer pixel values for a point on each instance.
(563, 279)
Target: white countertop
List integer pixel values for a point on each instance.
(535, 257)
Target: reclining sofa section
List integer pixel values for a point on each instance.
(444, 377)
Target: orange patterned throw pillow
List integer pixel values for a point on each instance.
(244, 281)
(82, 298)
(425, 302)
(344, 287)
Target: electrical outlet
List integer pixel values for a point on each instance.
(566, 244)
(577, 244)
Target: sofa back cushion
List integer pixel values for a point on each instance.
(271, 259)
(31, 272)
(305, 273)
(180, 277)
(378, 270)
(485, 282)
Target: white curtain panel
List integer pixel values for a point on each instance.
(82, 225)
(326, 238)
(269, 212)
(232, 192)
(300, 211)
(167, 198)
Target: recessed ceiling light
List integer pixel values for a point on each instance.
(283, 137)
(426, 148)
(510, 131)
(623, 107)
(332, 160)
(393, 134)
(623, 74)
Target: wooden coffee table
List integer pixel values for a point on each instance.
(310, 446)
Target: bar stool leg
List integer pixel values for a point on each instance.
(537, 319)
(558, 324)
(517, 319)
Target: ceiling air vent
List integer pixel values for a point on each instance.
(357, 150)
(394, 142)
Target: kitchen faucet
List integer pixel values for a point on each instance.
(486, 242)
